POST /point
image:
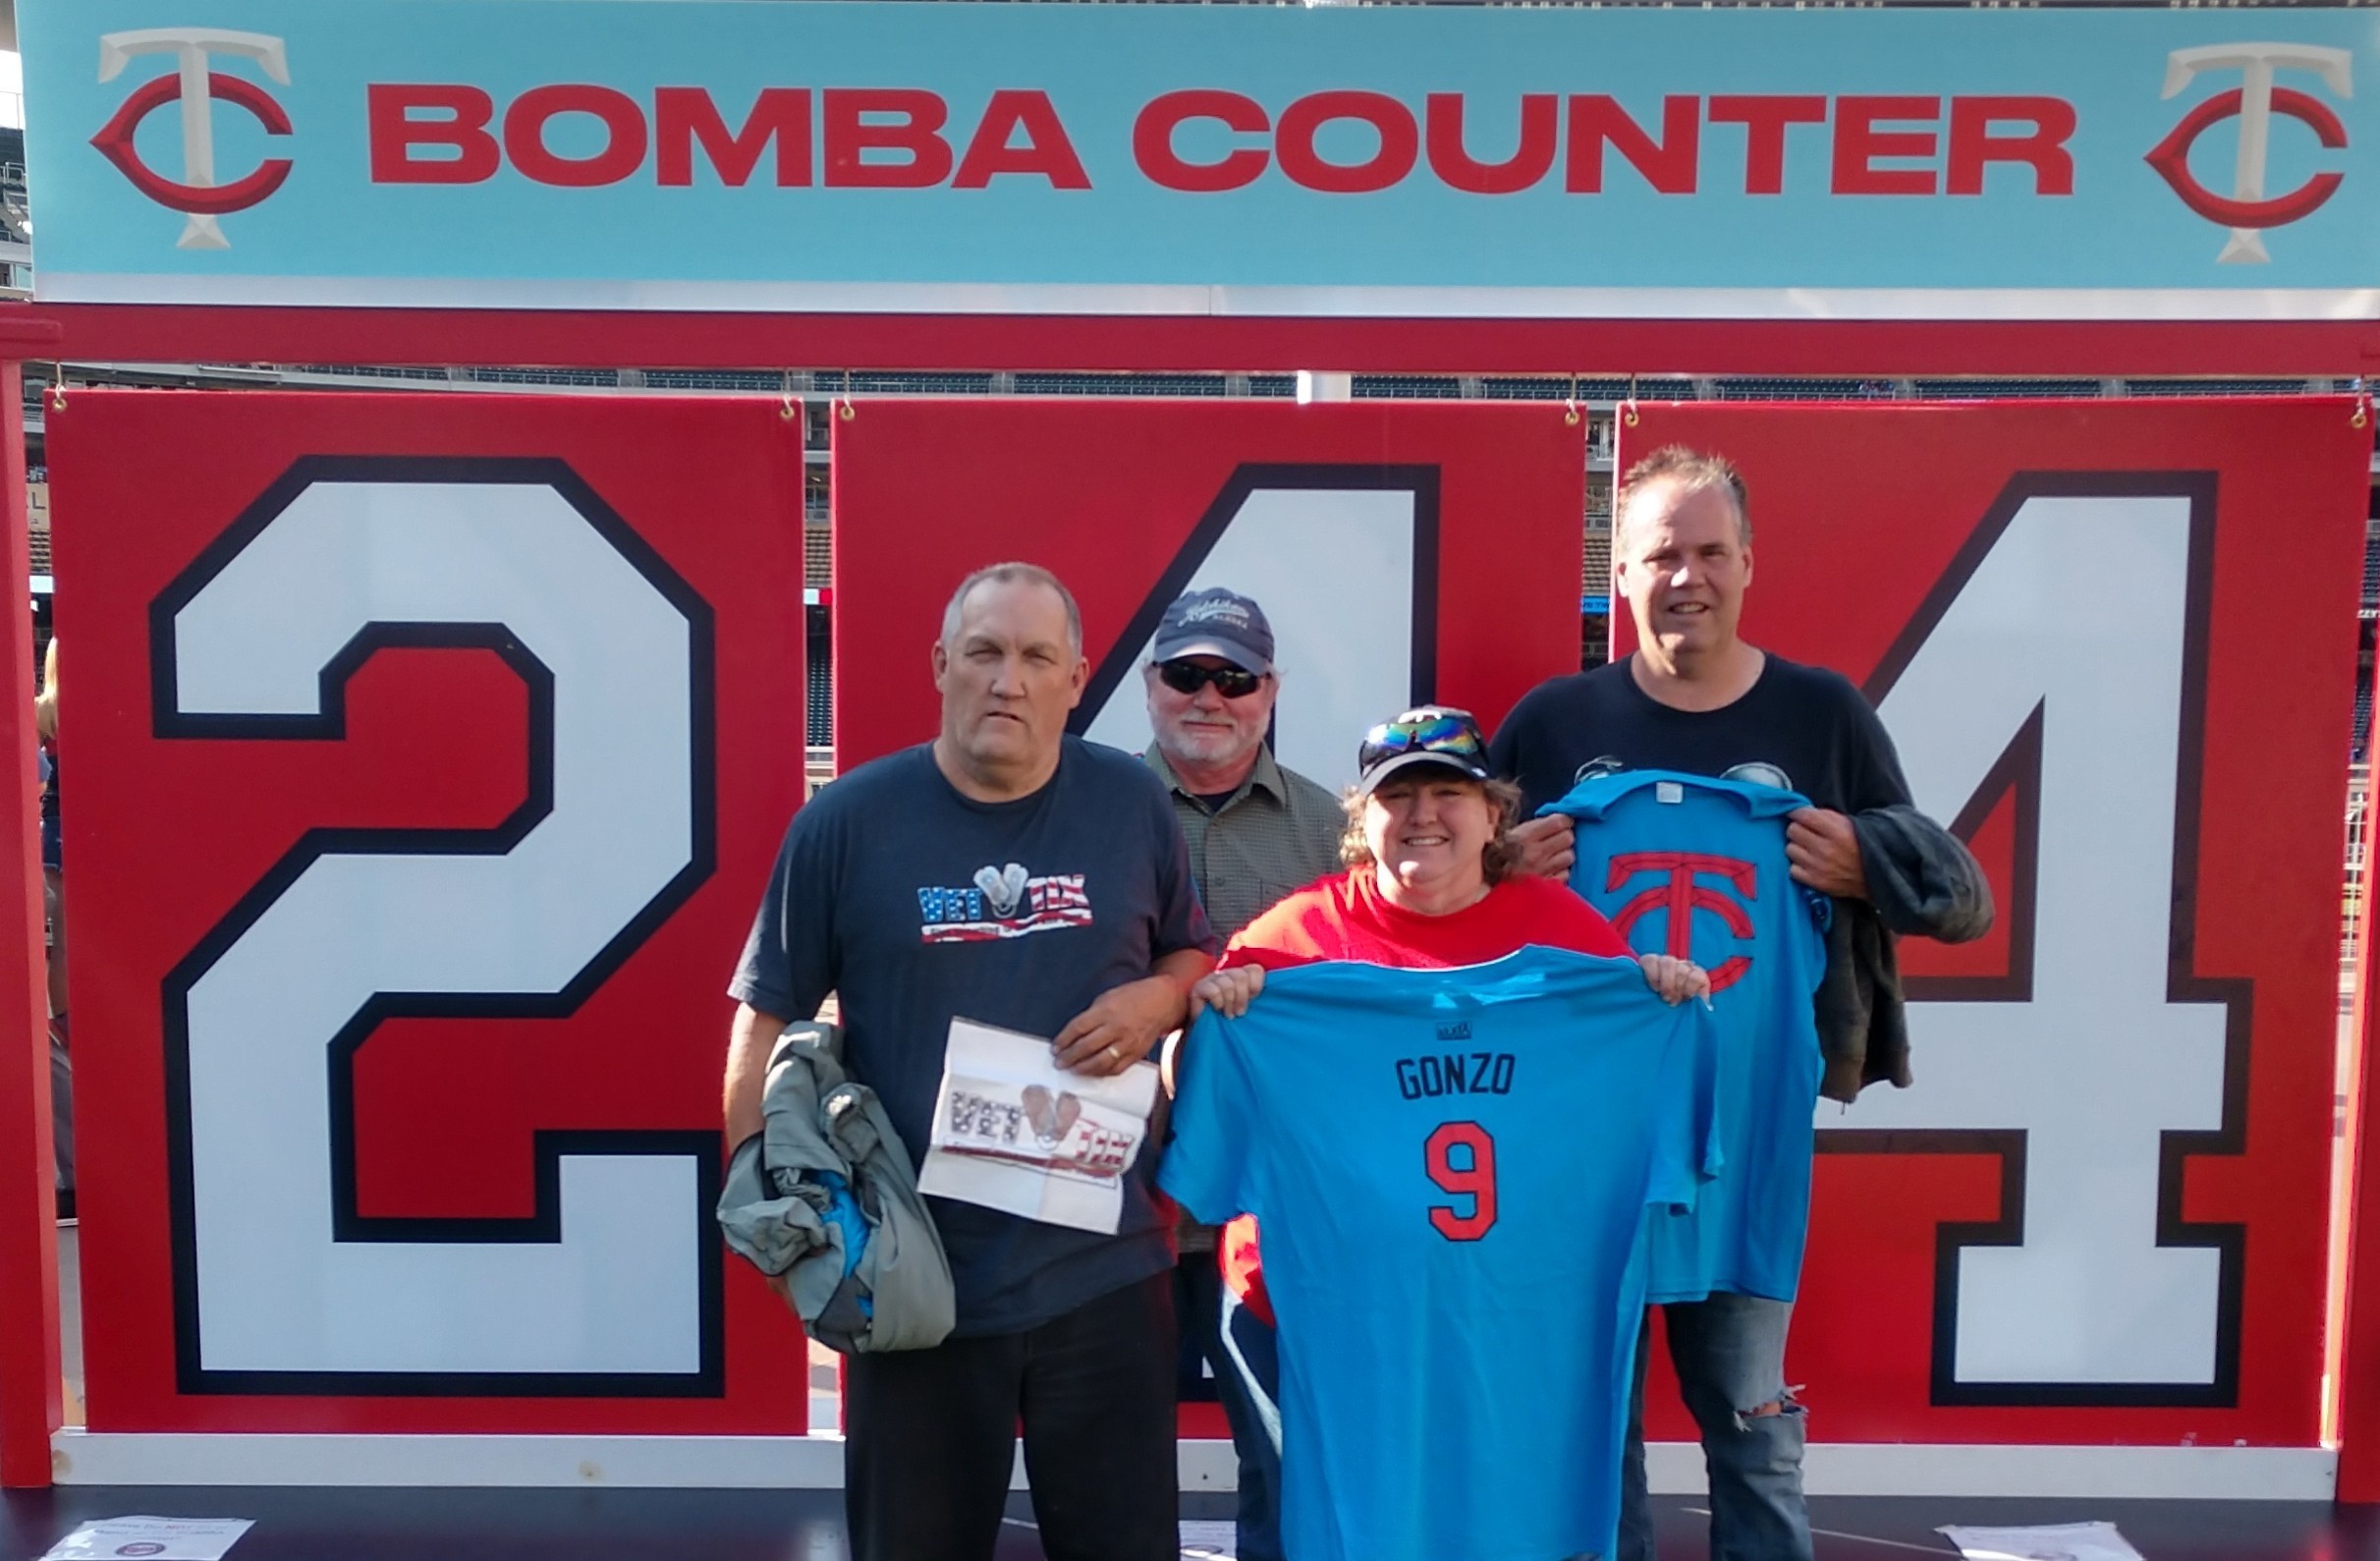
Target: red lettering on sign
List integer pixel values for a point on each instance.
(1764, 117)
(1859, 143)
(1540, 114)
(1046, 150)
(1668, 164)
(1400, 143)
(917, 137)
(395, 132)
(623, 142)
(1154, 141)
(2044, 147)
(684, 116)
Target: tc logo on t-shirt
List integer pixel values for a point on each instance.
(1680, 895)
(1003, 902)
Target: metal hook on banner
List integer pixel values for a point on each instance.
(788, 409)
(846, 411)
(1570, 407)
(57, 387)
(1628, 407)
(2363, 417)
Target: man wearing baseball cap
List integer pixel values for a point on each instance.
(1256, 832)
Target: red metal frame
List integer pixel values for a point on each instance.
(145, 333)
(31, 1400)
(2358, 1361)
(29, 1395)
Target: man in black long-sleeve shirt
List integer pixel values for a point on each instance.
(1697, 698)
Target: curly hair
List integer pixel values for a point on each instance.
(1500, 859)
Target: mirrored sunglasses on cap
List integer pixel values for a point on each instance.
(1434, 733)
(1187, 676)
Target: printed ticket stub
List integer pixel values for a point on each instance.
(1015, 1132)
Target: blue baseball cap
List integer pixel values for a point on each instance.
(1215, 623)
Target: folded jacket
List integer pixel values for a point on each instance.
(1921, 882)
(826, 1149)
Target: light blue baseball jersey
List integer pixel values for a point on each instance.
(1452, 1170)
(1695, 866)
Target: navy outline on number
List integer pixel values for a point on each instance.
(550, 1145)
(2019, 769)
(1421, 482)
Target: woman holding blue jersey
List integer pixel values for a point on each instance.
(1433, 881)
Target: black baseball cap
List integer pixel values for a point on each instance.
(1215, 623)
(1433, 734)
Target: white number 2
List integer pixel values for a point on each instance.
(281, 1286)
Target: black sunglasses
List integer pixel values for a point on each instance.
(1187, 676)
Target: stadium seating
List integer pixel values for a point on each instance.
(2003, 389)
(1407, 387)
(2217, 387)
(1802, 389)
(714, 380)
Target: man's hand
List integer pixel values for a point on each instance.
(1548, 846)
(1122, 1027)
(1824, 851)
(1227, 992)
(1674, 979)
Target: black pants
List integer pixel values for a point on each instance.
(931, 1435)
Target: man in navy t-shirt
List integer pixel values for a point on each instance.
(1008, 873)
(1697, 697)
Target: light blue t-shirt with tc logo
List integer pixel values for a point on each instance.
(1695, 867)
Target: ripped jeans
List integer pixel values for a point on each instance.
(1730, 1354)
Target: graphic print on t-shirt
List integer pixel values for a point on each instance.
(1003, 902)
(1752, 773)
(1683, 888)
(1696, 867)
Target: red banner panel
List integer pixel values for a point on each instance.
(1402, 553)
(2115, 646)
(427, 755)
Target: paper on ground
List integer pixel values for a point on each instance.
(2064, 1542)
(151, 1539)
(1209, 1541)
(1015, 1132)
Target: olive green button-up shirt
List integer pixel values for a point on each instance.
(1277, 833)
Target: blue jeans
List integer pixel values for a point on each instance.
(1730, 1354)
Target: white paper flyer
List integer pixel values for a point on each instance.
(1015, 1132)
(151, 1539)
(2064, 1542)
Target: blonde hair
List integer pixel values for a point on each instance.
(1691, 469)
(1499, 860)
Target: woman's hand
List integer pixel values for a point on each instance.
(1674, 980)
(1227, 992)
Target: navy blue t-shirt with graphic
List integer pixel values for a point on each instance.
(914, 905)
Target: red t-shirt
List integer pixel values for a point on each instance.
(1345, 917)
